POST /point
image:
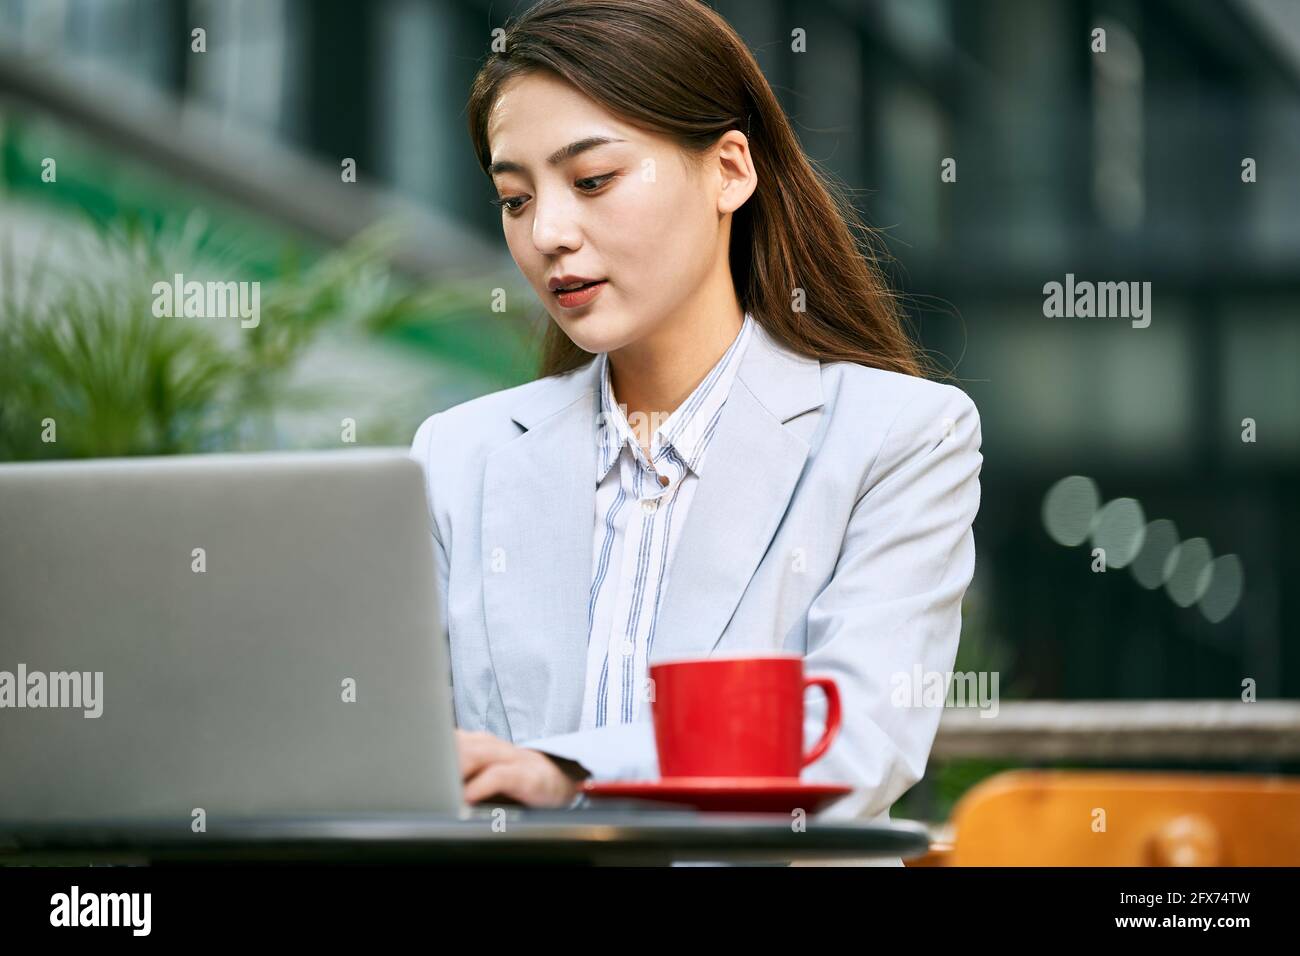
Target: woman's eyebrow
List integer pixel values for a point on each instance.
(557, 157)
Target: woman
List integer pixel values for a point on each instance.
(732, 447)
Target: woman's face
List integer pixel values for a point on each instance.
(632, 211)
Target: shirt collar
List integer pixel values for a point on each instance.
(688, 429)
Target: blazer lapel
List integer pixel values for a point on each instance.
(750, 472)
(538, 508)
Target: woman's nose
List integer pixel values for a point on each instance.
(555, 226)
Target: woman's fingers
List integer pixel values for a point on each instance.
(500, 779)
(476, 749)
(492, 767)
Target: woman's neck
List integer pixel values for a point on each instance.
(655, 374)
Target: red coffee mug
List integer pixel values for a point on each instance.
(736, 716)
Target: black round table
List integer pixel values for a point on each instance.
(488, 836)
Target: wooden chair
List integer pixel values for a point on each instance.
(1107, 818)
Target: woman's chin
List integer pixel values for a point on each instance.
(596, 333)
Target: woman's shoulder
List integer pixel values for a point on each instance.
(484, 421)
(903, 425)
(893, 394)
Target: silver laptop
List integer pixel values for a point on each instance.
(221, 636)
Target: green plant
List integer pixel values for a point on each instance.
(84, 359)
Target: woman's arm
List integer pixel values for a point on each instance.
(614, 752)
(894, 600)
(421, 448)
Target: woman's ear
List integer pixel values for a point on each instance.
(735, 168)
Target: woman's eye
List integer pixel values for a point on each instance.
(595, 181)
(588, 184)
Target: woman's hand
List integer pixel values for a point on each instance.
(494, 768)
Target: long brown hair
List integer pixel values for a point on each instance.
(678, 68)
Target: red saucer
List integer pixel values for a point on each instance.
(725, 794)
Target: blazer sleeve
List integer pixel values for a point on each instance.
(614, 752)
(421, 448)
(893, 603)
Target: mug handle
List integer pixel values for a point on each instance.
(832, 716)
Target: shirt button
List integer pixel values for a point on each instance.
(628, 647)
(663, 481)
(650, 505)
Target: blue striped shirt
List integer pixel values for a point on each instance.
(641, 508)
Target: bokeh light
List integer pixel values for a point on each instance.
(1225, 581)
(1184, 580)
(1159, 541)
(1069, 508)
(1119, 529)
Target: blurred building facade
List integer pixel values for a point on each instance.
(1125, 166)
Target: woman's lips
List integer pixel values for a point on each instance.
(580, 297)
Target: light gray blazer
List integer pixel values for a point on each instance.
(834, 520)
